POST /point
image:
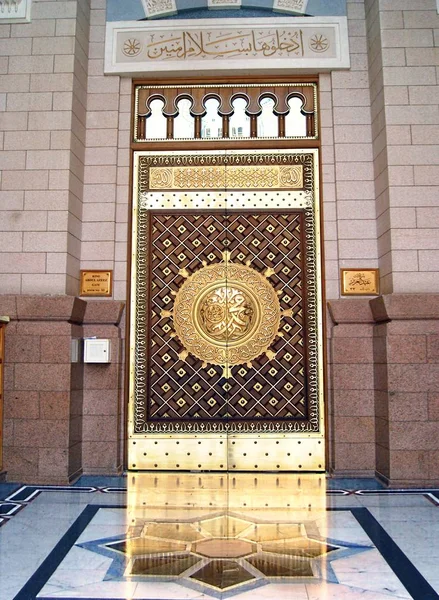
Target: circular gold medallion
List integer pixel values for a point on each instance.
(226, 314)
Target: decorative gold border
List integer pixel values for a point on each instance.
(139, 288)
(219, 177)
(367, 287)
(106, 290)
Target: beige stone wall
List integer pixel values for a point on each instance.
(64, 154)
(404, 61)
(347, 172)
(350, 241)
(43, 100)
(64, 205)
(107, 159)
(348, 190)
(96, 195)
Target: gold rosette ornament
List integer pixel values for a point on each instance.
(226, 314)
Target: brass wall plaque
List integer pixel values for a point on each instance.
(360, 282)
(96, 283)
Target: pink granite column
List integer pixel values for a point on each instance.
(407, 388)
(38, 442)
(61, 418)
(351, 411)
(104, 428)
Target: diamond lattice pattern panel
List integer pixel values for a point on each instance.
(268, 389)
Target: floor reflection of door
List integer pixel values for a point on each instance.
(226, 365)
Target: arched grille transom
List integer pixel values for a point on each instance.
(225, 112)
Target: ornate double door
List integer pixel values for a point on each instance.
(226, 324)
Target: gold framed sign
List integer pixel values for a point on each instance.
(96, 283)
(360, 282)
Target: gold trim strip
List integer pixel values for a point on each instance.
(226, 85)
(213, 177)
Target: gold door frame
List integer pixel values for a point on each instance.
(292, 446)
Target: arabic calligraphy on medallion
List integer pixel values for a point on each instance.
(224, 3)
(155, 8)
(208, 44)
(226, 313)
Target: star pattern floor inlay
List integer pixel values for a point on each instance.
(224, 552)
(187, 536)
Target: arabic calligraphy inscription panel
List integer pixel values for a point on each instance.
(231, 44)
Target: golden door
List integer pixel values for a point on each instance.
(226, 352)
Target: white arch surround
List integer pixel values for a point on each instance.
(163, 8)
(129, 10)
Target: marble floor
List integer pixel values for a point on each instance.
(200, 536)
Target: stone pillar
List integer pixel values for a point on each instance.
(49, 401)
(4, 319)
(38, 445)
(406, 355)
(104, 430)
(384, 388)
(351, 412)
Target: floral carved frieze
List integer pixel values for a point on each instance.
(225, 45)
(15, 11)
(293, 6)
(159, 8)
